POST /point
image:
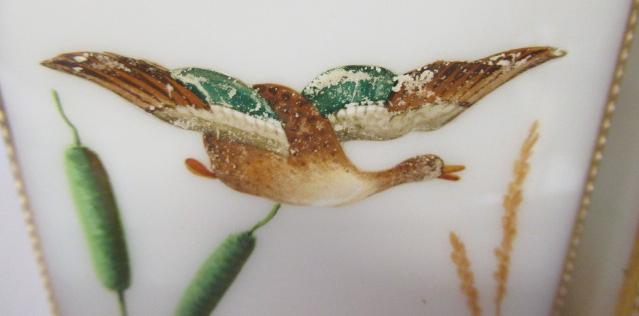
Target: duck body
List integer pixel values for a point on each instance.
(285, 179)
(316, 171)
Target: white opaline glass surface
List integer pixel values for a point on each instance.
(386, 255)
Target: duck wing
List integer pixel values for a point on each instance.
(190, 98)
(310, 135)
(426, 98)
(359, 101)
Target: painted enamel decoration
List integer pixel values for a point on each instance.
(271, 141)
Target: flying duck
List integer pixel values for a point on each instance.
(271, 141)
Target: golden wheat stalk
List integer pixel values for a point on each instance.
(465, 274)
(511, 203)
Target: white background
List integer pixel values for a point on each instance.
(386, 255)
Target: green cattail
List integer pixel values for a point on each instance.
(217, 273)
(98, 213)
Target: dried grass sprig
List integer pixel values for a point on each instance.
(465, 274)
(511, 203)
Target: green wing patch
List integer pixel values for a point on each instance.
(349, 85)
(219, 89)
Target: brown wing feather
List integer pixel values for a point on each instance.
(464, 83)
(307, 131)
(145, 84)
(152, 88)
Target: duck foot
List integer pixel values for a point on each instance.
(197, 168)
(448, 172)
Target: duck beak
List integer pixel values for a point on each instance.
(448, 172)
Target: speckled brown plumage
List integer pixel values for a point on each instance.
(308, 132)
(316, 171)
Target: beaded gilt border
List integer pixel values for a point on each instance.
(604, 125)
(27, 212)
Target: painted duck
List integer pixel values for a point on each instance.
(271, 141)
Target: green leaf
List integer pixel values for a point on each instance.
(219, 89)
(349, 85)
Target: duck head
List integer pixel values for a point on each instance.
(415, 169)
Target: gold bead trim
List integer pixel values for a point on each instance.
(27, 212)
(611, 101)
